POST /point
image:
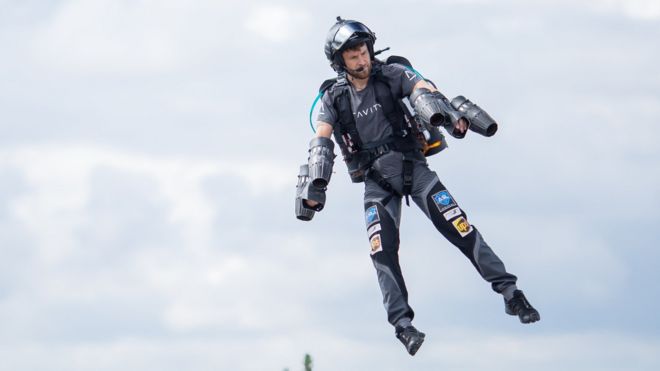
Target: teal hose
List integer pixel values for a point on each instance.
(311, 111)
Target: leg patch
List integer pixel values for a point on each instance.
(376, 244)
(371, 215)
(443, 200)
(462, 226)
(452, 213)
(373, 229)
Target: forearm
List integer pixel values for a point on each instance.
(424, 84)
(323, 129)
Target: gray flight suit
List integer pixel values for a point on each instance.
(382, 217)
(383, 208)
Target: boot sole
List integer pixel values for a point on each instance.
(414, 347)
(531, 318)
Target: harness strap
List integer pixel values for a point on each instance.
(347, 129)
(395, 113)
(383, 183)
(357, 154)
(384, 97)
(408, 167)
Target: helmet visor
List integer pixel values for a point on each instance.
(350, 31)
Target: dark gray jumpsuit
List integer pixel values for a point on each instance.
(383, 209)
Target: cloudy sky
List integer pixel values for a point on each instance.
(148, 154)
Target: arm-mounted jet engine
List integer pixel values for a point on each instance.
(314, 177)
(434, 109)
(480, 120)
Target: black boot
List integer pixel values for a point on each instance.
(410, 337)
(519, 306)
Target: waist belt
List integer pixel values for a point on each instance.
(378, 149)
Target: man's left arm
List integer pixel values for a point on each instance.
(431, 105)
(435, 109)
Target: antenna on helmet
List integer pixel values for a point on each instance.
(382, 50)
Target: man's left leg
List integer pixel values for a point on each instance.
(451, 221)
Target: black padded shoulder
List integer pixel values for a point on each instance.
(398, 59)
(327, 84)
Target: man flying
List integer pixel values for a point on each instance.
(384, 145)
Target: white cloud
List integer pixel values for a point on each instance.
(641, 9)
(539, 246)
(142, 37)
(277, 23)
(59, 184)
(637, 9)
(195, 277)
(106, 35)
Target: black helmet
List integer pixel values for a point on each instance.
(346, 34)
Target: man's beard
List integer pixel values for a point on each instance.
(360, 73)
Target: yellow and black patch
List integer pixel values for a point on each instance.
(462, 226)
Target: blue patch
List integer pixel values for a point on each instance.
(443, 200)
(371, 215)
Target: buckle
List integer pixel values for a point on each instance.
(341, 79)
(380, 150)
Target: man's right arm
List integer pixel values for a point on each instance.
(323, 129)
(314, 176)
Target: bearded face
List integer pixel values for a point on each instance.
(357, 61)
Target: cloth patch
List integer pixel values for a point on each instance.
(376, 246)
(462, 226)
(371, 215)
(443, 200)
(452, 213)
(373, 229)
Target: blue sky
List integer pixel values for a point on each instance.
(147, 167)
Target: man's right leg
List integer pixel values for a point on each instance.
(382, 217)
(383, 232)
